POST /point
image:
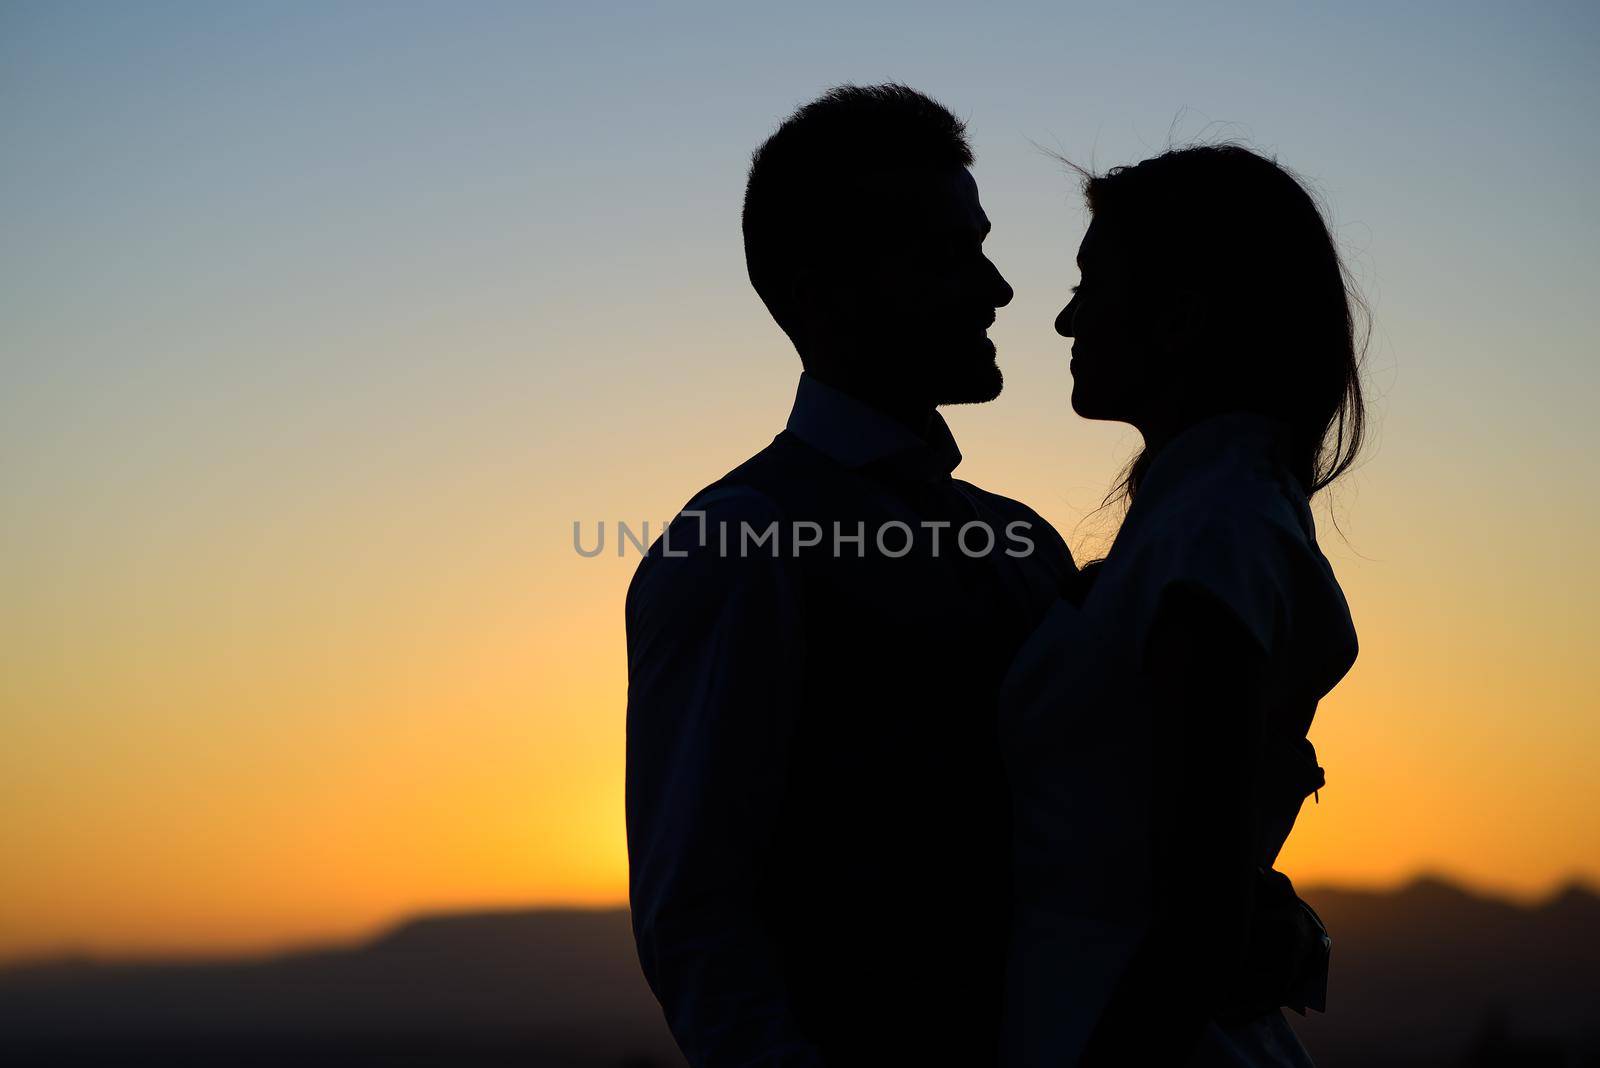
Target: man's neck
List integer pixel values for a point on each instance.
(913, 415)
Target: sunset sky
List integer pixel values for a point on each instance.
(321, 324)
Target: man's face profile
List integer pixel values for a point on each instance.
(916, 292)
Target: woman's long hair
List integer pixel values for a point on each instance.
(1287, 327)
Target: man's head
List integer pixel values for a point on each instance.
(864, 236)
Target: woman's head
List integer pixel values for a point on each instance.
(1210, 283)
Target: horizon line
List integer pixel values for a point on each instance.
(178, 955)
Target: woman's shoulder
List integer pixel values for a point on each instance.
(1242, 535)
(1249, 510)
(1239, 483)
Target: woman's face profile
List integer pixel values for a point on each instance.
(1113, 347)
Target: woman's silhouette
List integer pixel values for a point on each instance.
(1155, 724)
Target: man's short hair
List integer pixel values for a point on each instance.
(800, 198)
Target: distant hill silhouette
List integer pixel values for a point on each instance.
(1429, 974)
(1433, 974)
(558, 988)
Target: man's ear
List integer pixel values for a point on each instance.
(805, 298)
(821, 302)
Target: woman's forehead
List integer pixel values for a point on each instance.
(1103, 242)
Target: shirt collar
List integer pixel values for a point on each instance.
(855, 434)
(1213, 441)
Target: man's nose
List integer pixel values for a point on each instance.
(1002, 291)
(1064, 319)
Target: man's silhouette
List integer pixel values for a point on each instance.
(817, 824)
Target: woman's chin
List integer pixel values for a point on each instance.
(1090, 404)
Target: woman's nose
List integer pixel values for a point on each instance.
(1064, 320)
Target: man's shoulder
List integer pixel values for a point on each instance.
(998, 503)
(1010, 510)
(689, 561)
(764, 479)
(1045, 544)
(752, 491)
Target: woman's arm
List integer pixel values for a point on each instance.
(1207, 676)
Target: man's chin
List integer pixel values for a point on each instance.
(978, 383)
(970, 378)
